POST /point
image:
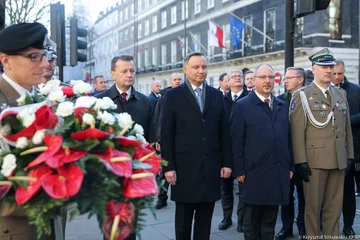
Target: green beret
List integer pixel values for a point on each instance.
(21, 36)
(323, 57)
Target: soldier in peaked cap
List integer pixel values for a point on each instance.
(24, 60)
(52, 56)
(322, 144)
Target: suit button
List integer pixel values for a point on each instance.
(6, 230)
(203, 120)
(337, 137)
(204, 139)
(205, 157)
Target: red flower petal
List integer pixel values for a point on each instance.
(141, 187)
(92, 133)
(23, 195)
(144, 150)
(124, 141)
(68, 91)
(45, 118)
(65, 184)
(54, 143)
(119, 168)
(60, 158)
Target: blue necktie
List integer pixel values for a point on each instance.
(199, 98)
(235, 97)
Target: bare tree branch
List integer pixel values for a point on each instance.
(26, 10)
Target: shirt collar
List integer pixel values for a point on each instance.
(128, 92)
(323, 90)
(262, 98)
(195, 87)
(237, 94)
(19, 89)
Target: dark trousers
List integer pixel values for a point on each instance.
(184, 214)
(227, 199)
(349, 201)
(287, 211)
(259, 221)
(164, 190)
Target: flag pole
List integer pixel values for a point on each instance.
(192, 35)
(251, 27)
(184, 45)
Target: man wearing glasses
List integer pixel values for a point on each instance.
(24, 60)
(263, 162)
(52, 56)
(323, 145)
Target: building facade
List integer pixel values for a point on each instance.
(159, 33)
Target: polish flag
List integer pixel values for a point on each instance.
(216, 36)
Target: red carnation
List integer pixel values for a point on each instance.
(68, 91)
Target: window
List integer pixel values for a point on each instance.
(173, 51)
(299, 29)
(173, 15)
(211, 3)
(120, 37)
(132, 11)
(184, 9)
(335, 19)
(126, 14)
(146, 58)
(147, 27)
(247, 34)
(146, 4)
(154, 55)
(132, 31)
(197, 6)
(126, 32)
(163, 19)
(269, 29)
(139, 5)
(139, 60)
(154, 23)
(163, 54)
(139, 30)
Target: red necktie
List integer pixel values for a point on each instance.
(267, 101)
(124, 94)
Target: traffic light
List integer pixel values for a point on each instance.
(76, 44)
(305, 7)
(57, 23)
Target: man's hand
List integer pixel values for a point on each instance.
(241, 179)
(171, 177)
(157, 146)
(304, 171)
(291, 174)
(347, 169)
(225, 172)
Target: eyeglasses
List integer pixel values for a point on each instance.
(235, 76)
(34, 57)
(249, 78)
(289, 78)
(263, 77)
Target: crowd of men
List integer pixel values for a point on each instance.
(305, 141)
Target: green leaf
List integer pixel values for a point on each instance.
(74, 213)
(139, 165)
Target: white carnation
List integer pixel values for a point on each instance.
(38, 136)
(82, 88)
(104, 104)
(8, 165)
(85, 101)
(50, 86)
(57, 96)
(65, 109)
(6, 129)
(106, 117)
(26, 116)
(140, 137)
(138, 129)
(21, 100)
(88, 119)
(124, 119)
(21, 143)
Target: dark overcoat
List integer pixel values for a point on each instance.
(261, 144)
(196, 145)
(229, 102)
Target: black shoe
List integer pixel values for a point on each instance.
(240, 227)
(283, 234)
(348, 231)
(160, 204)
(225, 223)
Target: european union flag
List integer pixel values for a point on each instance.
(236, 27)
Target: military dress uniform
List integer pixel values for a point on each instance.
(14, 225)
(322, 140)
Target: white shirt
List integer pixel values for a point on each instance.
(262, 98)
(19, 89)
(195, 87)
(128, 92)
(237, 94)
(323, 90)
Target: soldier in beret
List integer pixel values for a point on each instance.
(24, 60)
(322, 145)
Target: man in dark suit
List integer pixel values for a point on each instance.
(128, 99)
(24, 59)
(353, 97)
(155, 93)
(263, 162)
(249, 80)
(236, 92)
(196, 143)
(223, 83)
(175, 81)
(99, 85)
(294, 79)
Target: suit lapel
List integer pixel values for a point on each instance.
(208, 99)
(190, 98)
(257, 101)
(276, 107)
